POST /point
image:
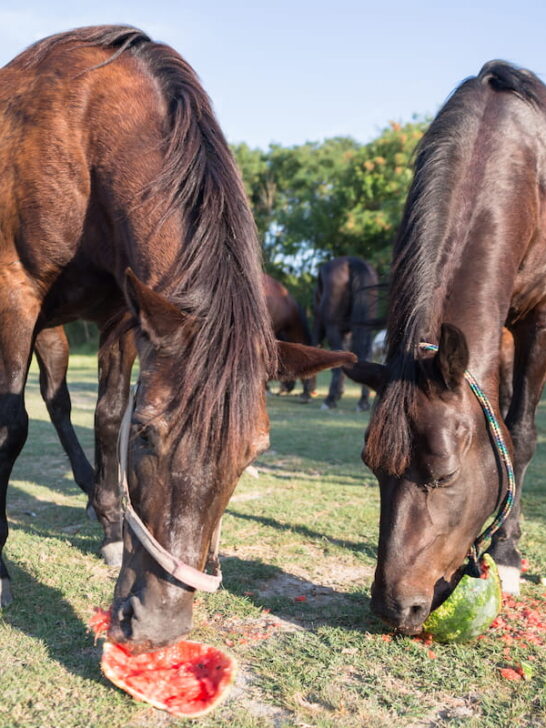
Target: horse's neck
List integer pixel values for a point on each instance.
(476, 298)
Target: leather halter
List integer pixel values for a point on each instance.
(175, 567)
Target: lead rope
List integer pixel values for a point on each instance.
(173, 566)
(496, 432)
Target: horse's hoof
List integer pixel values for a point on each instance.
(112, 553)
(91, 513)
(325, 407)
(363, 407)
(6, 597)
(510, 579)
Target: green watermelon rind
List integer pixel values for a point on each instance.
(469, 610)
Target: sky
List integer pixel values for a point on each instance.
(290, 72)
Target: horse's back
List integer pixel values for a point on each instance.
(81, 138)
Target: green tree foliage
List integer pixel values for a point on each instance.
(315, 201)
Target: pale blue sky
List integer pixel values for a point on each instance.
(288, 72)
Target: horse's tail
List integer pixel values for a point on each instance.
(318, 323)
(364, 293)
(304, 323)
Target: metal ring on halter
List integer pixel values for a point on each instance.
(173, 566)
(496, 433)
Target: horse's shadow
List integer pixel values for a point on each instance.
(361, 547)
(41, 612)
(297, 600)
(69, 523)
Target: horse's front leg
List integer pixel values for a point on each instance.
(213, 558)
(529, 372)
(51, 347)
(116, 356)
(19, 314)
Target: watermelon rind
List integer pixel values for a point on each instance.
(112, 674)
(469, 610)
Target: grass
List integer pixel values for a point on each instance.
(298, 550)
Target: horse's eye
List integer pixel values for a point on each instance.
(446, 479)
(443, 481)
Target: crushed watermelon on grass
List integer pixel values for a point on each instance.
(186, 679)
(522, 622)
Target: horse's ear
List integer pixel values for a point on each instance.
(369, 373)
(452, 357)
(158, 318)
(297, 361)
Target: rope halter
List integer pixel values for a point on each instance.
(477, 548)
(175, 567)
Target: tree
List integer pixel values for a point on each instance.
(315, 201)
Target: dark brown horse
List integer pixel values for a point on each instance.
(289, 324)
(120, 203)
(345, 310)
(470, 258)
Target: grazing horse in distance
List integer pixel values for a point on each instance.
(289, 324)
(120, 203)
(345, 309)
(470, 259)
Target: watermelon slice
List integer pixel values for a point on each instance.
(187, 679)
(471, 607)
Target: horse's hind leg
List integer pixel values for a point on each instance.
(116, 356)
(529, 372)
(51, 347)
(19, 314)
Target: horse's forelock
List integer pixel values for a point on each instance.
(389, 439)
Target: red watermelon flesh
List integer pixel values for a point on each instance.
(185, 679)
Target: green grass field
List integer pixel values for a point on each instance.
(298, 553)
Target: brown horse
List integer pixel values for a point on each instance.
(289, 324)
(345, 310)
(120, 203)
(470, 258)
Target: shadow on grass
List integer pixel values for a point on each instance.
(297, 600)
(287, 472)
(361, 547)
(42, 613)
(64, 522)
(43, 456)
(86, 543)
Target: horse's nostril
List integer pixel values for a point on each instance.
(415, 613)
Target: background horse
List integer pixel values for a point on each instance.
(345, 308)
(121, 204)
(470, 258)
(289, 324)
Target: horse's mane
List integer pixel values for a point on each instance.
(217, 277)
(424, 254)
